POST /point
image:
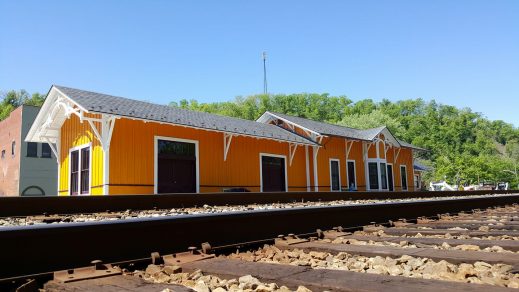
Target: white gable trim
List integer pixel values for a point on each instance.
(265, 119)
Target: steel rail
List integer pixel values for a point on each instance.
(25, 206)
(44, 248)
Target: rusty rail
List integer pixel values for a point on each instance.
(45, 248)
(25, 206)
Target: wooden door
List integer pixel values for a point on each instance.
(176, 167)
(273, 174)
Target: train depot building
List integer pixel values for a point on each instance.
(113, 145)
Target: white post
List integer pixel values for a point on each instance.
(307, 169)
(412, 167)
(316, 177)
(58, 149)
(106, 156)
(107, 128)
(365, 161)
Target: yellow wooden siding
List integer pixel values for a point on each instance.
(135, 139)
(332, 148)
(356, 154)
(404, 158)
(74, 134)
(132, 158)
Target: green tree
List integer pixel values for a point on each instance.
(374, 119)
(13, 99)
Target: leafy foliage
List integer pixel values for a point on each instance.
(373, 119)
(464, 145)
(320, 107)
(12, 99)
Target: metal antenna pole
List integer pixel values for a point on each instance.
(264, 72)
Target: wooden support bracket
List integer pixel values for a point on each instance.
(291, 151)
(227, 138)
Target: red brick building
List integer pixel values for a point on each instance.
(10, 137)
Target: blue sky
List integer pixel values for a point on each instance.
(464, 53)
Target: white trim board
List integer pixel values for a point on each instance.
(263, 119)
(156, 159)
(339, 169)
(261, 168)
(307, 165)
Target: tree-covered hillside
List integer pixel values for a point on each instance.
(463, 145)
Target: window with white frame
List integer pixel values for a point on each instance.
(373, 175)
(383, 175)
(417, 181)
(352, 178)
(80, 171)
(403, 177)
(335, 175)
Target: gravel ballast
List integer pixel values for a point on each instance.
(208, 283)
(407, 266)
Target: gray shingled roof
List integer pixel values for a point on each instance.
(341, 131)
(330, 129)
(120, 106)
(420, 166)
(409, 145)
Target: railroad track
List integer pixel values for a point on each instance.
(196, 210)
(26, 206)
(132, 241)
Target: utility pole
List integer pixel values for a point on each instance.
(265, 73)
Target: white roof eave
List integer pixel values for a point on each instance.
(37, 133)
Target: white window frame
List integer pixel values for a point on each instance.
(339, 169)
(417, 177)
(348, 174)
(79, 148)
(156, 160)
(368, 183)
(378, 161)
(392, 176)
(261, 168)
(380, 175)
(406, 178)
